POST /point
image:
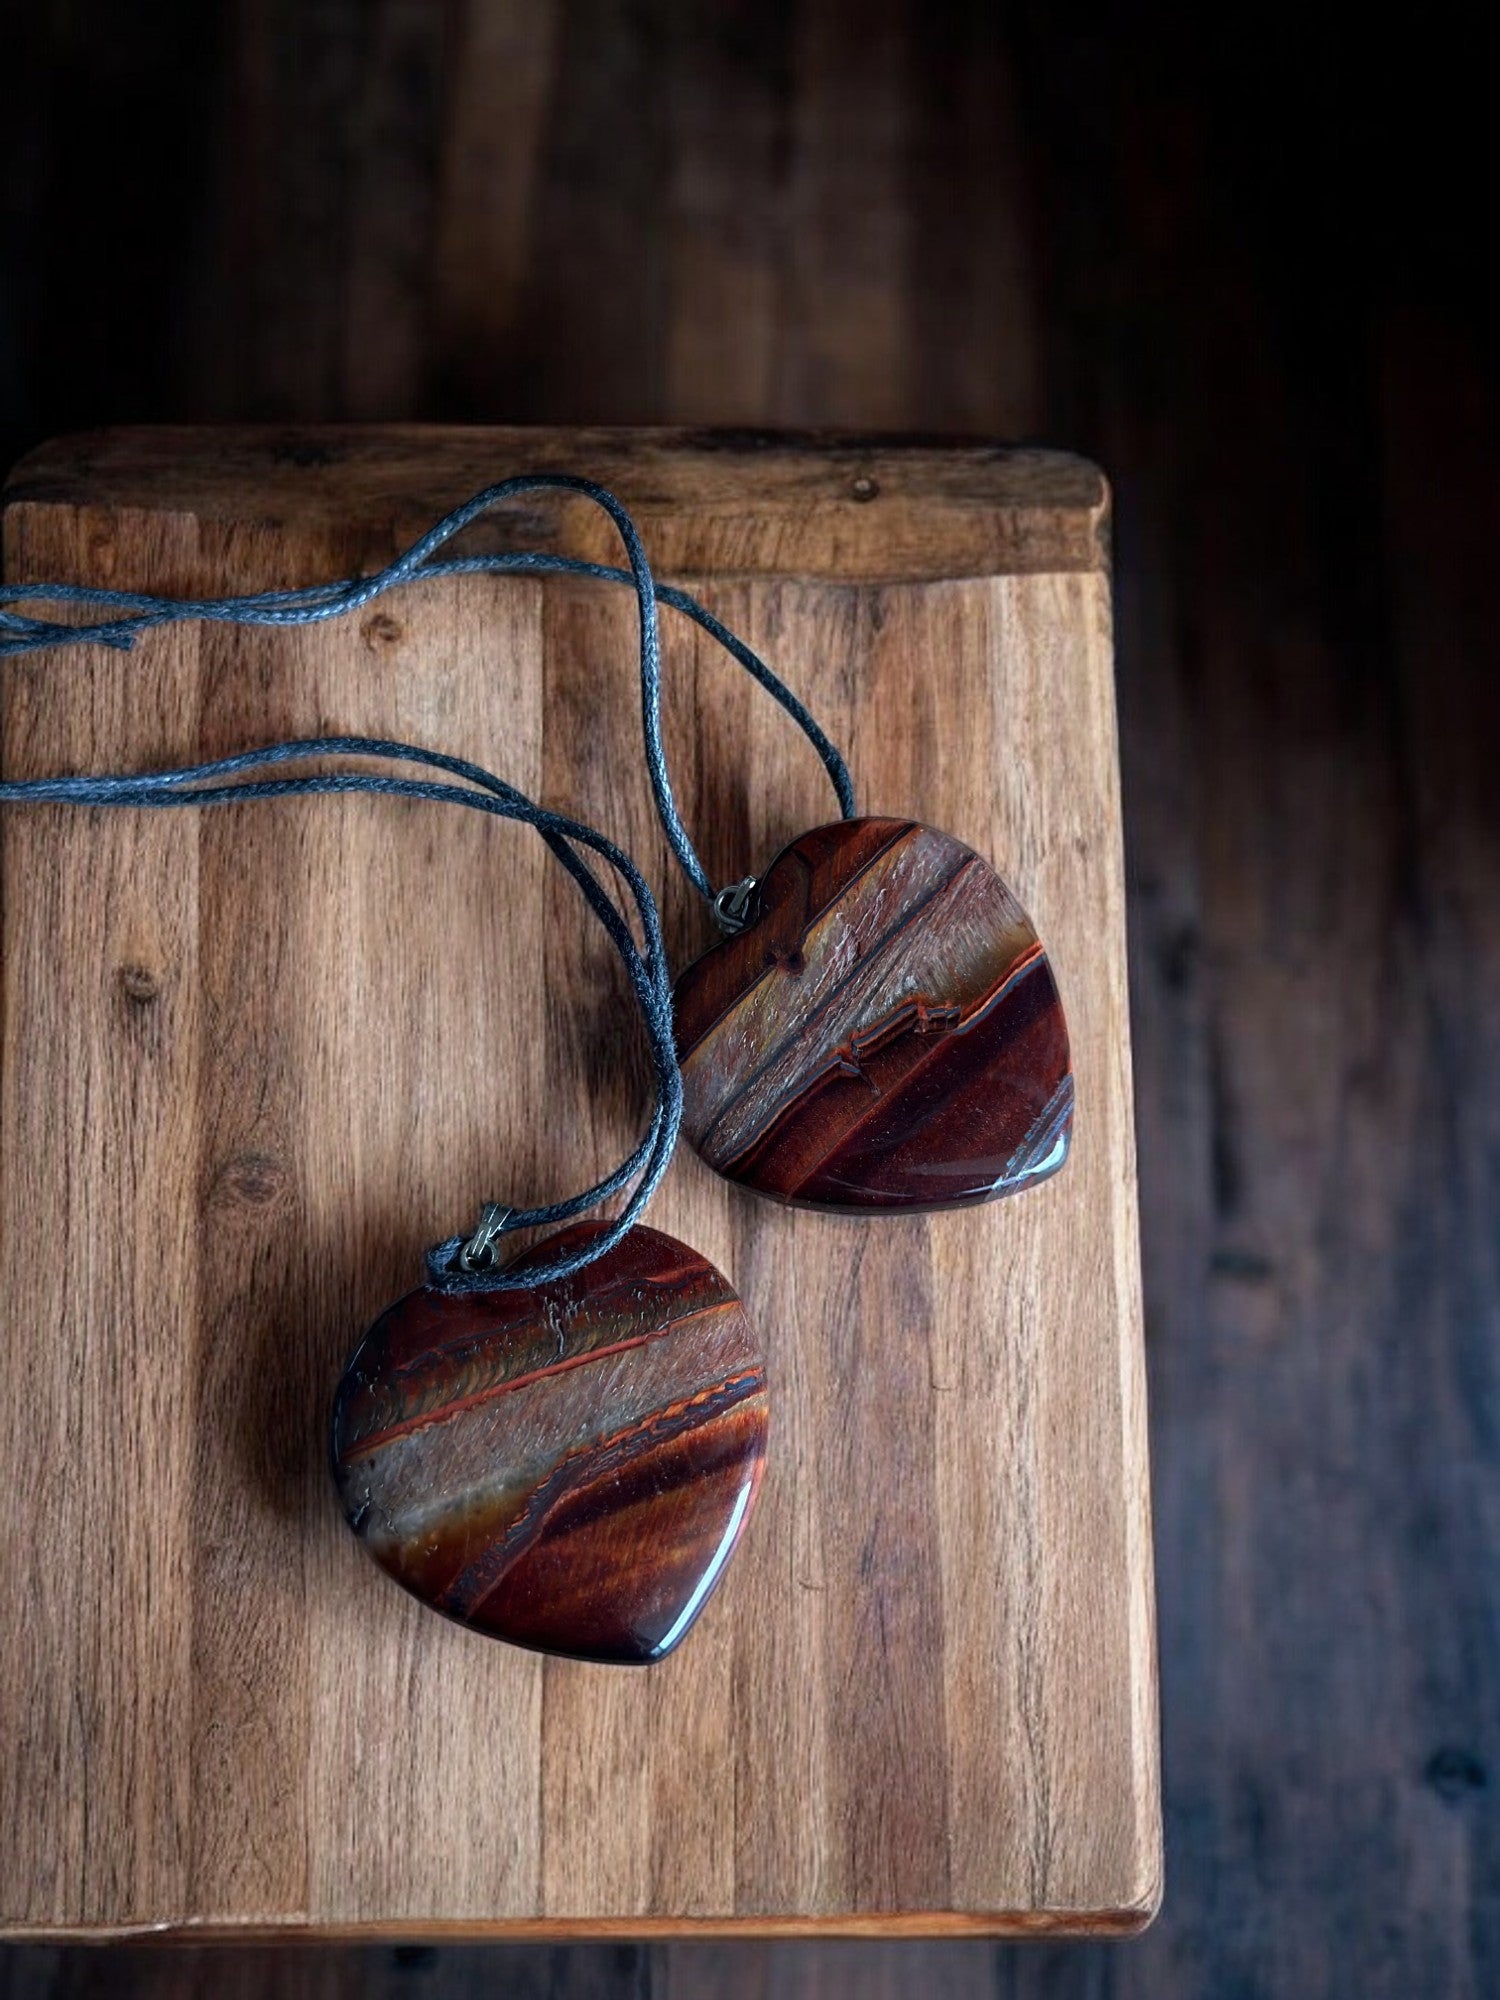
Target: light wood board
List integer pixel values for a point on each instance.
(255, 1060)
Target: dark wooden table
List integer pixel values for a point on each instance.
(1238, 265)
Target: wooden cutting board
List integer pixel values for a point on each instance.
(255, 1060)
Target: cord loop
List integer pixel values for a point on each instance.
(460, 1263)
(134, 612)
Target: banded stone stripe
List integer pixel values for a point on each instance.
(887, 1033)
(567, 1468)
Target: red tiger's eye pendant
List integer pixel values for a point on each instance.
(886, 1032)
(569, 1467)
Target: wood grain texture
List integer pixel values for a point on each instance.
(1247, 285)
(728, 1970)
(716, 503)
(251, 1067)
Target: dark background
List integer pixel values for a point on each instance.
(1243, 263)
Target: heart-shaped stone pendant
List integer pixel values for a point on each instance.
(884, 1034)
(568, 1468)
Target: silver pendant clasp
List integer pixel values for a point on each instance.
(732, 905)
(479, 1253)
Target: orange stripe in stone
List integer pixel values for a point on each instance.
(494, 1390)
(903, 831)
(840, 1065)
(586, 1465)
(844, 1060)
(804, 1027)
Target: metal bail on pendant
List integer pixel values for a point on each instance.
(479, 1253)
(732, 905)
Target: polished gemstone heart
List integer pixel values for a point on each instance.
(885, 1033)
(568, 1468)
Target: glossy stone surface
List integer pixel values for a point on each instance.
(886, 1034)
(567, 1468)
